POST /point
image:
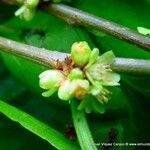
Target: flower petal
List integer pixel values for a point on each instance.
(106, 58)
(111, 79)
(49, 92)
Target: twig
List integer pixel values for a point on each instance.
(50, 58)
(85, 19)
(133, 66)
(37, 55)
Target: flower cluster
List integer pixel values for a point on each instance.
(28, 8)
(89, 76)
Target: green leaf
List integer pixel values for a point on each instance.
(37, 127)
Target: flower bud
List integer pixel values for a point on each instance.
(65, 90)
(50, 79)
(31, 4)
(94, 55)
(76, 74)
(80, 53)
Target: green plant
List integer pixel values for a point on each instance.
(123, 115)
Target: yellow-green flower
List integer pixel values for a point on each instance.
(101, 71)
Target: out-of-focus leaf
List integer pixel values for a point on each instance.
(13, 136)
(44, 131)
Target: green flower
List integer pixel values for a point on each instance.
(101, 72)
(80, 53)
(28, 8)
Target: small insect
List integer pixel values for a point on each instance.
(70, 132)
(113, 135)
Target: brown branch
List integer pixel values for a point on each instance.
(34, 54)
(85, 19)
(50, 58)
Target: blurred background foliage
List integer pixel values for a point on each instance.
(127, 112)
